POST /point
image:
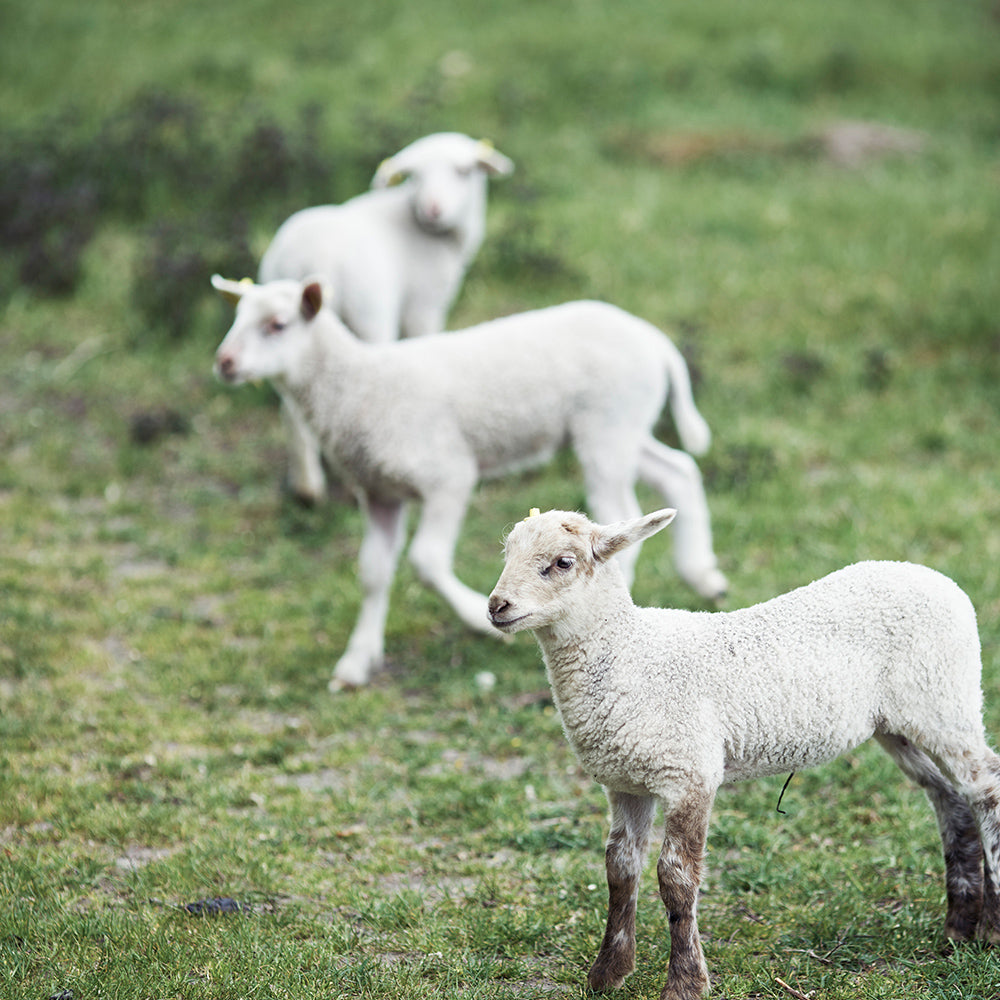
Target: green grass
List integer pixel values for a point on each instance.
(169, 620)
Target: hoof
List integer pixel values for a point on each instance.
(337, 684)
(609, 974)
(711, 585)
(306, 500)
(352, 671)
(600, 984)
(988, 934)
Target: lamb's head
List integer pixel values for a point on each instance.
(447, 173)
(558, 566)
(270, 333)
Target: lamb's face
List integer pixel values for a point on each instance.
(447, 174)
(559, 566)
(548, 564)
(270, 331)
(443, 193)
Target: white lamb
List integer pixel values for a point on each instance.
(666, 705)
(425, 419)
(394, 257)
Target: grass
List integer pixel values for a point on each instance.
(169, 620)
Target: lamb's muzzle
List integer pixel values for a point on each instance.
(225, 368)
(500, 614)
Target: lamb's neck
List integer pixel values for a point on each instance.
(326, 367)
(582, 653)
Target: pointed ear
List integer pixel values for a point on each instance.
(312, 299)
(612, 538)
(493, 161)
(231, 291)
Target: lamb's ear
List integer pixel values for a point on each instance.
(231, 291)
(388, 174)
(492, 160)
(612, 538)
(312, 299)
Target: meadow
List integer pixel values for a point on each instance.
(169, 617)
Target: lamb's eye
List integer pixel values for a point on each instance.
(564, 562)
(273, 327)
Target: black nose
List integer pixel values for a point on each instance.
(226, 365)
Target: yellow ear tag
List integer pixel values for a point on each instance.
(393, 179)
(534, 512)
(246, 281)
(486, 145)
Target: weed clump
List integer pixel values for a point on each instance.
(170, 279)
(49, 209)
(165, 165)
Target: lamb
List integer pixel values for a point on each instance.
(394, 256)
(665, 705)
(425, 419)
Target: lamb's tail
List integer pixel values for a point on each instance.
(694, 433)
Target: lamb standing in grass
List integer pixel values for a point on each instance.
(665, 705)
(425, 419)
(394, 257)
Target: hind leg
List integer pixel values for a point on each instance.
(609, 473)
(984, 801)
(676, 477)
(960, 837)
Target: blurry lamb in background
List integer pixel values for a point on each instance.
(426, 419)
(393, 257)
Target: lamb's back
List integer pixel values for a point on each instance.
(517, 368)
(799, 679)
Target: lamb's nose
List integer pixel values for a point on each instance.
(226, 366)
(498, 605)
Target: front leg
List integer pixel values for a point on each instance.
(679, 871)
(433, 549)
(628, 843)
(306, 478)
(384, 535)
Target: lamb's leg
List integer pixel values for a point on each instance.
(306, 478)
(676, 477)
(963, 854)
(679, 870)
(983, 793)
(609, 463)
(432, 555)
(628, 843)
(613, 500)
(379, 555)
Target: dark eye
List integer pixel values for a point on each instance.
(562, 563)
(274, 327)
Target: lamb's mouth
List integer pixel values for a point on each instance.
(505, 624)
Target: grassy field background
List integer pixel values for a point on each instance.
(169, 618)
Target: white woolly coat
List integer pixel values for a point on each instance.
(382, 270)
(651, 698)
(496, 397)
